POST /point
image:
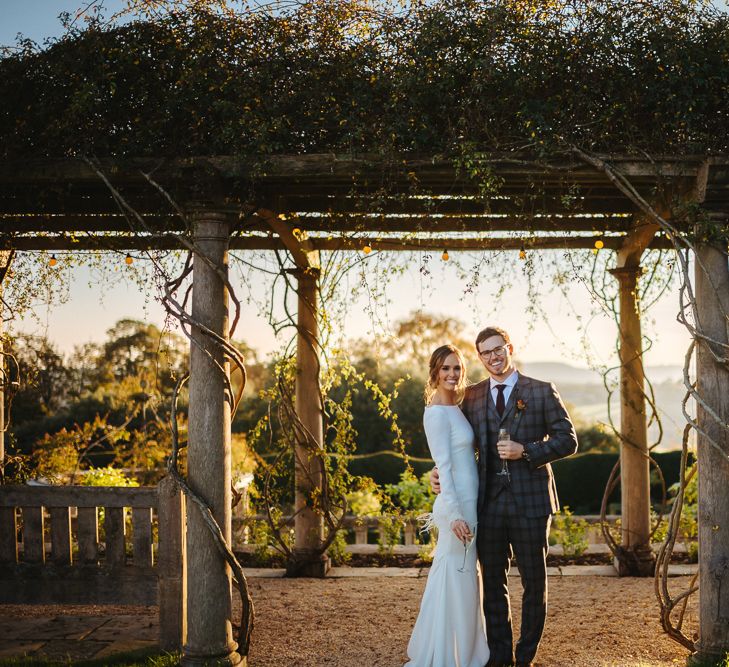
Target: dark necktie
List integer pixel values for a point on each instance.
(500, 402)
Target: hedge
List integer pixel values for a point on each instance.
(580, 479)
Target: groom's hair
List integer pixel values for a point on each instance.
(492, 331)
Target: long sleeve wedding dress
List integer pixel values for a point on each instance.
(450, 630)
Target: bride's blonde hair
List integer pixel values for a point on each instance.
(437, 359)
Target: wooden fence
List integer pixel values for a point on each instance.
(365, 535)
(51, 551)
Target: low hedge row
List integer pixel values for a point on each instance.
(581, 479)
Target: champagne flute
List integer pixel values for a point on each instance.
(504, 435)
(466, 546)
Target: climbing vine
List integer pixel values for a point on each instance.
(458, 81)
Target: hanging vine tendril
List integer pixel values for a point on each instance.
(178, 310)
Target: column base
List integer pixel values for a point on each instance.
(230, 659)
(707, 659)
(304, 563)
(636, 561)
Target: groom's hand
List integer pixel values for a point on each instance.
(510, 450)
(435, 480)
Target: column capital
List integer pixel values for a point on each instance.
(199, 211)
(627, 274)
(305, 272)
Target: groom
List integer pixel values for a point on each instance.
(517, 495)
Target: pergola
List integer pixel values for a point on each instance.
(307, 204)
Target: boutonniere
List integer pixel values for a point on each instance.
(520, 406)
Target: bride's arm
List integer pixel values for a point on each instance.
(438, 432)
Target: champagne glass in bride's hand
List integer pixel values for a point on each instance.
(466, 546)
(504, 435)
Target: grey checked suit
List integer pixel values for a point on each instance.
(514, 515)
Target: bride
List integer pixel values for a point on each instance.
(450, 630)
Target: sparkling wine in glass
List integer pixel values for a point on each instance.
(504, 435)
(466, 546)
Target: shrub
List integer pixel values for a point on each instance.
(570, 532)
(390, 527)
(410, 494)
(106, 477)
(338, 550)
(689, 525)
(363, 503)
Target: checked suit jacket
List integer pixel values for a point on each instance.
(536, 418)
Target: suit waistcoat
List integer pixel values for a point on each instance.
(495, 424)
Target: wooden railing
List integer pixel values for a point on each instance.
(364, 534)
(75, 566)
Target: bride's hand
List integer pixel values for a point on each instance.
(461, 530)
(435, 481)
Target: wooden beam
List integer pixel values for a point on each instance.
(636, 242)
(95, 223)
(426, 222)
(702, 180)
(304, 254)
(516, 204)
(331, 243)
(130, 169)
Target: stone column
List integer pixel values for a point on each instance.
(6, 259)
(308, 524)
(636, 558)
(209, 594)
(712, 306)
(3, 380)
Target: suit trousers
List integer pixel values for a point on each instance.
(501, 528)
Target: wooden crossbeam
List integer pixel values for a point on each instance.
(27, 224)
(331, 166)
(317, 244)
(304, 254)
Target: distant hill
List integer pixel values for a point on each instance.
(583, 389)
(561, 373)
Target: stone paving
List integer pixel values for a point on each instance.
(79, 637)
(75, 637)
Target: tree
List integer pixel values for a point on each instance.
(45, 383)
(138, 349)
(121, 385)
(415, 338)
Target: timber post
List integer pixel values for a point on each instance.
(209, 592)
(308, 561)
(636, 559)
(635, 556)
(712, 307)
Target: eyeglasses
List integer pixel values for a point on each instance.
(499, 351)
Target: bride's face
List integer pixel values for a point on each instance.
(449, 374)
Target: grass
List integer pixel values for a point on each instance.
(693, 661)
(141, 658)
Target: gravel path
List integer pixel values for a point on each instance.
(592, 622)
(354, 621)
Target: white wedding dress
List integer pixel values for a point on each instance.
(450, 630)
